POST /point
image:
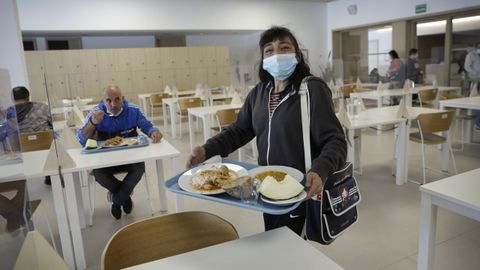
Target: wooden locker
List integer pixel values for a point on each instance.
(141, 82)
(53, 62)
(35, 63)
(195, 57)
(71, 61)
(107, 78)
(168, 54)
(198, 75)
(223, 78)
(184, 80)
(222, 55)
(209, 56)
(37, 88)
(170, 77)
(88, 60)
(122, 59)
(137, 59)
(212, 77)
(57, 88)
(157, 83)
(181, 55)
(75, 84)
(106, 60)
(123, 80)
(153, 59)
(92, 87)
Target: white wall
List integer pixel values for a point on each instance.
(11, 46)
(102, 42)
(375, 11)
(306, 19)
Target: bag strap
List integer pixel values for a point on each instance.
(305, 109)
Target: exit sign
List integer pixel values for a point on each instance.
(420, 8)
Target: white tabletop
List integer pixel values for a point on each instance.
(461, 189)
(31, 167)
(278, 249)
(209, 110)
(374, 94)
(472, 103)
(154, 151)
(68, 109)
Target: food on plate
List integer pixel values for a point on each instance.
(275, 174)
(280, 190)
(235, 187)
(131, 141)
(91, 144)
(115, 141)
(212, 178)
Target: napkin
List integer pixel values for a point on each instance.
(198, 92)
(167, 90)
(58, 156)
(407, 85)
(362, 104)
(380, 87)
(343, 116)
(473, 90)
(236, 100)
(358, 84)
(76, 118)
(402, 111)
(435, 83)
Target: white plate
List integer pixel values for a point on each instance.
(126, 142)
(293, 200)
(184, 180)
(288, 170)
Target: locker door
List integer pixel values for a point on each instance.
(76, 85)
(35, 63)
(198, 75)
(137, 59)
(91, 85)
(223, 77)
(107, 78)
(124, 81)
(53, 62)
(88, 60)
(156, 82)
(140, 82)
(106, 60)
(71, 61)
(57, 88)
(184, 80)
(37, 88)
(122, 59)
(195, 57)
(209, 56)
(222, 56)
(168, 54)
(170, 77)
(212, 77)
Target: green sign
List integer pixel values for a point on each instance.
(420, 8)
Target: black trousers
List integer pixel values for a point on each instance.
(121, 190)
(293, 220)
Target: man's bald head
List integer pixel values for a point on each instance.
(113, 99)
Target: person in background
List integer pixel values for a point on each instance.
(31, 116)
(396, 70)
(115, 116)
(472, 67)
(414, 72)
(272, 114)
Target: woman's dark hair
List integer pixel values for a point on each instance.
(412, 51)
(20, 92)
(393, 54)
(301, 70)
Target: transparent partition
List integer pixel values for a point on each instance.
(431, 50)
(379, 44)
(9, 136)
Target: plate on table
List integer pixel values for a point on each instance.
(118, 142)
(185, 180)
(293, 200)
(278, 170)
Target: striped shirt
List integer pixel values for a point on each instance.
(275, 99)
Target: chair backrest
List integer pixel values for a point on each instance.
(427, 95)
(159, 237)
(227, 116)
(361, 90)
(157, 98)
(435, 122)
(34, 141)
(185, 103)
(347, 89)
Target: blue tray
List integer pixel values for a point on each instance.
(261, 206)
(142, 142)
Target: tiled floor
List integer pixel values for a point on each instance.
(384, 238)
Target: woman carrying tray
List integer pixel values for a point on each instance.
(272, 114)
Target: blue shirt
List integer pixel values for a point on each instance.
(123, 125)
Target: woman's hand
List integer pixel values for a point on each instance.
(198, 155)
(315, 184)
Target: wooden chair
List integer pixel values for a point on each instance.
(225, 118)
(35, 141)
(184, 104)
(426, 98)
(347, 90)
(428, 125)
(164, 236)
(155, 102)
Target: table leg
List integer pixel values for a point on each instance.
(63, 228)
(190, 129)
(173, 120)
(73, 217)
(179, 202)
(357, 144)
(469, 128)
(426, 240)
(165, 118)
(161, 189)
(143, 103)
(351, 147)
(78, 189)
(401, 174)
(379, 105)
(206, 127)
(445, 153)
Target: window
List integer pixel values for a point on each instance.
(29, 45)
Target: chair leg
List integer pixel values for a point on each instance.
(91, 197)
(147, 190)
(394, 154)
(423, 163)
(453, 158)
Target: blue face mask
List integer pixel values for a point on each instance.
(280, 66)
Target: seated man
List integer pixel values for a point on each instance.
(31, 116)
(114, 116)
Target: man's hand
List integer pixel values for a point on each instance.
(97, 117)
(198, 155)
(156, 136)
(315, 185)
